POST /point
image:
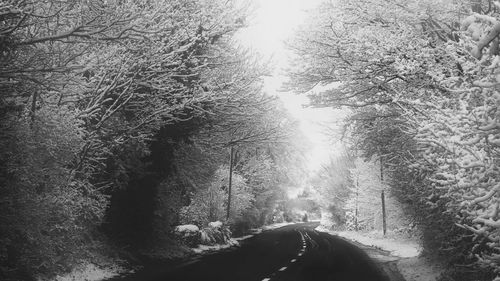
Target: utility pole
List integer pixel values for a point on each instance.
(382, 195)
(230, 182)
(384, 223)
(356, 214)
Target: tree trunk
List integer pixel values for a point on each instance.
(230, 183)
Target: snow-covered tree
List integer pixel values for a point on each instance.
(365, 204)
(423, 76)
(332, 186)
(210, 204)
(87, 88)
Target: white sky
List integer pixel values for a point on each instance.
(273, 22)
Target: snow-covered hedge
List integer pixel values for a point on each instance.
(214, 233)
(189, 234)
(427, 105)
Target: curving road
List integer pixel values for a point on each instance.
(291, 253)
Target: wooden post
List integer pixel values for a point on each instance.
(384, 224)
(382, 195)
(230, 183)
(381, 171)
(356, 214)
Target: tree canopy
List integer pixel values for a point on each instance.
(116, 115)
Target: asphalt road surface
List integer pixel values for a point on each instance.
(291, 253)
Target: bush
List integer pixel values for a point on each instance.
(189, 234)
(215, 233)
(192, 236)
(48, 211)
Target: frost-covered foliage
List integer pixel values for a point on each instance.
(189, 234)
(214, 233)
(461, 140)
(332, 186)
(46, 215)
(423, 77)
(210, 204)
(186, 228)
(123, 111)
(86, 86)
(365, 204)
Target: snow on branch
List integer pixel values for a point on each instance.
(469, 24)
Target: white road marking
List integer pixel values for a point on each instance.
(304, 244)
(283, 268)
(294, 260)
(266, 279)
(314, 244)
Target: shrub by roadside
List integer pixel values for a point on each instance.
(192, 236)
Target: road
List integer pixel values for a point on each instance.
(291, 253)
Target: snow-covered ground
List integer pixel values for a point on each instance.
(92, 272)
(187, 228)
(243, 237)
(419, 269)
(213, 248)
(403, 248)
(406, 252)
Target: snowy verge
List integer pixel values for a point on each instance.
(213, 248)
(419, 269)
(233, 242)
(93, 272)
(403, 248)
(406, 252)
(243, 237)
